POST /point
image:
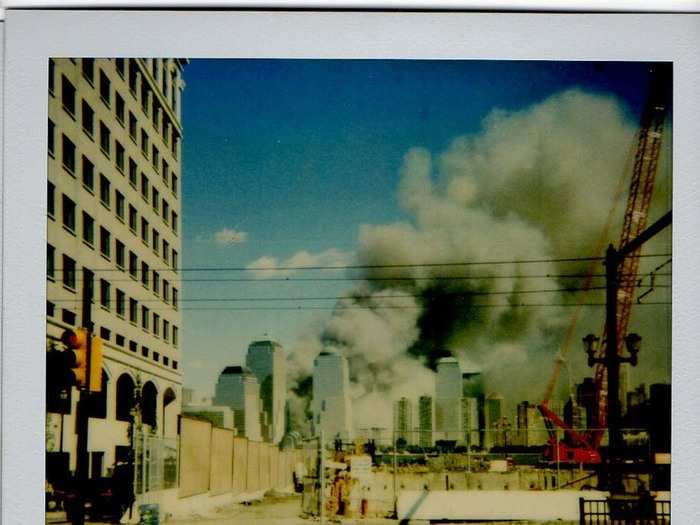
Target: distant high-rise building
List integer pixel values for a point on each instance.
(575, 415)
(187, 396)
(470, 418)
(448, 399)
(473, 387)
(493, 411)
(426, 421)
(238, 389)
(586, 398)
(331, 405)
(403, 420)
(531, 430)
(266, 359)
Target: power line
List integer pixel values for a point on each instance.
(360, 297)
(373, 266)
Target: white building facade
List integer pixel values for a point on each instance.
(238, 389)
(113, 225)
(267, 360)
(331, 404)
(448, 400)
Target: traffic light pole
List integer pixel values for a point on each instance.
(82, 418)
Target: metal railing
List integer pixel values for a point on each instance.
(627, 511)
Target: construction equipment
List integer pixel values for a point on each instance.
(583, 447)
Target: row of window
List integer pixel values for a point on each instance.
(169, 178)
(68, 317)
(160, 206)
(160, 247)
(159, 118)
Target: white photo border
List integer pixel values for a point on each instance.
(31, 37)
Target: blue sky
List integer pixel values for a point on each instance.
(296, 154)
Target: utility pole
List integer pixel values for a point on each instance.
(82, 418)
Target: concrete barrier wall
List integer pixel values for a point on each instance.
(240, 465)
(195, 457)
(213, 461)
(221, 461)
(253, 471)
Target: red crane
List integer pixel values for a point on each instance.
(583, 447)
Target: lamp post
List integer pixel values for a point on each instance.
(612, 361)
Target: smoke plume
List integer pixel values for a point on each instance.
(535, 184)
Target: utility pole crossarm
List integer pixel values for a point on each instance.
(643, 237)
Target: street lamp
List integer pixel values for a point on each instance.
(633, 342)
(590, 346)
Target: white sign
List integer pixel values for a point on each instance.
(360, 466)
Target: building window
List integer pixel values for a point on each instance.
(105, 191)
(50, 261)
(50, 309)
(119, 201)
(88, 172)
(144, 230)
(121, 250)
(149, 403)
(88, 229)
(156, 240)
(68, 214)
(88, 67)
(119, 108)
(144, 143)
(156, 325)
(144, 187)
(166, 329)
(173, 185)
(166, 130)
(144, 274)
(155, 159)
(156, 356)
(173, 221)
(175, 336)
(68, 272)
(133, 311)
(133, 75)
(119, 340)
(132, 126)
(133, 218)
(155, 200)
(105, 138)
(88, 119)
(166, 291)
(174, 261)
(121, 303)
(120, 156)
(144, 351)
(105, 88)
(133, 265)
(68, 154)
(125, 397)
(165, 211)
(68, 317)
(166, 251)
(164, 172)
(133, 346)
(174, 365)
(132, 172)
(119, 64)
(105, 299)
(51, 200)
(68, 96)
(144, 317)
(166, 361)
(51, 137)
(144, 97)
(156, 283)
(52, 75)
(175, 299)
(105, 243)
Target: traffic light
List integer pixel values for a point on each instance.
(76, 358)
(76, 354)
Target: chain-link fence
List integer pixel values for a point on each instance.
(155, 463)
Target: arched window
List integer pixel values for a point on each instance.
(149, 402)
(98, 400)
(125, 397)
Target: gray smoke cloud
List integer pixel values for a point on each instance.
(532, 184)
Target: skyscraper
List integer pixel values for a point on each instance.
(403, 420)
(266, 359)
(470, 418)
(238, 389)
(331, 405)
(426, 421)
(113, 228)
(448, 399)
(493, 410)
